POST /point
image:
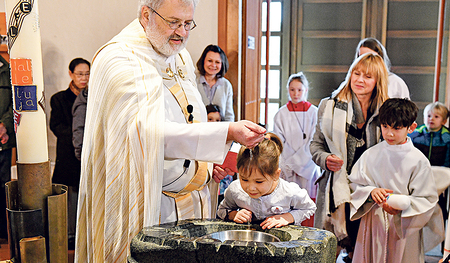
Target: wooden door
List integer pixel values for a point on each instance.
(251, 59)
(244, 56)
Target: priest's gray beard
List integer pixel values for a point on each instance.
(161, 43)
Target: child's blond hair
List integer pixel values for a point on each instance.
(438, 108)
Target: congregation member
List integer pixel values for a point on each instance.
(79, 119)
(347, 126)
(7, 139)
(397, 87)
(67, 166)
(211, 83)
(432, 138)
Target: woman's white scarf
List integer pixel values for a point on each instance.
(334, 129)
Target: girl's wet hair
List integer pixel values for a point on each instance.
(264, 157)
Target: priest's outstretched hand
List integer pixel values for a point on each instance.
(246, 133)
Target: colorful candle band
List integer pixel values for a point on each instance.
(24, 44)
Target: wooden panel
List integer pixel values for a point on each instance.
(410, 15)
(251, 59)
(331, 34)
(328, 51)
(335, 16)
(228, 39)
(326, 47)
(412, 33)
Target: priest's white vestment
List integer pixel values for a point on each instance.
(136, 142)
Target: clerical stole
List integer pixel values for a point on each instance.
(183, 200)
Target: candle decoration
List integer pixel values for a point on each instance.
(36, 209)
(24, 44)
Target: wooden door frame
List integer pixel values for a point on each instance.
(234, 27)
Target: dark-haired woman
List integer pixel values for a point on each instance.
(214, 88)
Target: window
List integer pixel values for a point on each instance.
(275, 61)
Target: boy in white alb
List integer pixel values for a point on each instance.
(393, 166)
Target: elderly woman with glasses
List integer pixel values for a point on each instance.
(67, 166)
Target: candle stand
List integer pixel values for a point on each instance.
(36, 209)
(37, 215)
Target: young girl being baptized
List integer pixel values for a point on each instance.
(260, 194)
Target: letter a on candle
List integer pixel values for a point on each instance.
(25, 98)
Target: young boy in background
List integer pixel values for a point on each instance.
(433, 139)
(394, 166)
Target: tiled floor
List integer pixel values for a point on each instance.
(4, 252)
(4, 249)
(430, 257)
(434, 255)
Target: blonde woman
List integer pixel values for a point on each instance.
(397, 87)
(347, 125)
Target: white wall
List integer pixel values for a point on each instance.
(78, 28)
(206, 31)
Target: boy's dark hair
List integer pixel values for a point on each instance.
(214, 108)
(398, 113)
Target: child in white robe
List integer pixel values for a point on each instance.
(295, 124)
(393, 166)
(260, 195)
